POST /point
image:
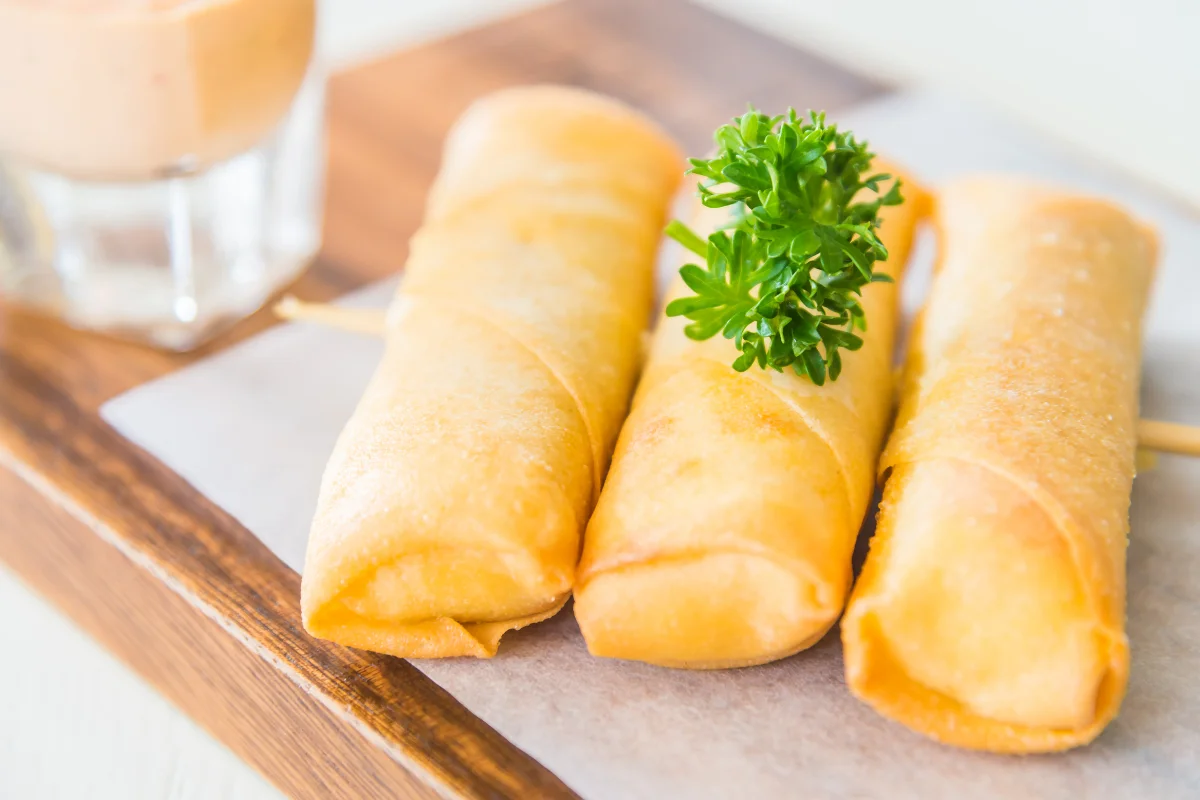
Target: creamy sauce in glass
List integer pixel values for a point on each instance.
(131, 89)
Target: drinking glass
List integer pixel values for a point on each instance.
(161, 161)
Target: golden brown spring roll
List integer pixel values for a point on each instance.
(452, 507)
(990, 611)
(724, 533)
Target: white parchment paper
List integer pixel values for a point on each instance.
(252, 428)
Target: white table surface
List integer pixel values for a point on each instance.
(75, 723)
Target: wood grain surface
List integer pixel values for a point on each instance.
(183, 593)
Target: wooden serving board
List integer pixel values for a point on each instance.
(177, 588)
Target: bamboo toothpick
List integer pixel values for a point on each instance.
(369, 321)
(1163, 437)
(1169, 437)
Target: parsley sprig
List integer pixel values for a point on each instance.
(784, 277)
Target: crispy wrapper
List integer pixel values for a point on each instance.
(990, 611)
(452, 507)
(724, 533)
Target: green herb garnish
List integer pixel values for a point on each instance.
(783, 279)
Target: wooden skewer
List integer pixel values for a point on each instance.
(1164, 437)
(357, 320)
(1169, 437)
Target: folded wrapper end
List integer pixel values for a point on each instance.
(1043, 674)
(875, 677)
(715, 610)
(433, 600)
(440, 637)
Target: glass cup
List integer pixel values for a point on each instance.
(161, 161)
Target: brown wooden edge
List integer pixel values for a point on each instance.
(265, 716)
(238, 597)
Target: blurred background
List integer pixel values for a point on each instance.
(1115, 79)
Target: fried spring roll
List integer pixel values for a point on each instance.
(452, 507)
(990, 611)
(724, 533)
